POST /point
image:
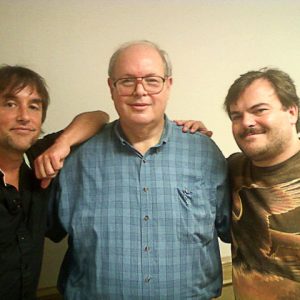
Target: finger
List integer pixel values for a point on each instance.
(55, 162)
(44, 167)
(197, 126)
(207, 132)
(193, 126)
(179, 122)
(45, 183)
(39, 168)
(47, 167)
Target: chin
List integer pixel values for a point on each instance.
(141, 120)
(255, 155)
(249, 151)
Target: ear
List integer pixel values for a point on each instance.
(169, 81)
(294, 114)
(111, 86)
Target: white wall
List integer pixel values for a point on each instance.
(69, 42)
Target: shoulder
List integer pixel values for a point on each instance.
(196, 137)
(103, 136)
(41, 145)
(196, 147)
(236, 159)
(238, 164)
(92, 149)
(197, 140)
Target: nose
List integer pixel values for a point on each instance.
(23, 114)
(248, 120)
(139, 88)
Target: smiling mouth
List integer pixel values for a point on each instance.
(251, 133)
(23, 130)
(139, 106)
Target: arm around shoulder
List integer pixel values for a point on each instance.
(82, 127)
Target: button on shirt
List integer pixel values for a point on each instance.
(142, 227)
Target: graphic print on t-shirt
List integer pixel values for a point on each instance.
(266, 241)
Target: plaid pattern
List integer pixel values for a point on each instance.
(143, 227)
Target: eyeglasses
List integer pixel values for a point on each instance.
(151, 84)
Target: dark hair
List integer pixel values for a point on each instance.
(15, 78)
(282, 83)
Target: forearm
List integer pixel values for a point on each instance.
(82, 127)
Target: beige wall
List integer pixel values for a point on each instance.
(210, 43)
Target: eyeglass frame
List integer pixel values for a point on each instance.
(139, 80)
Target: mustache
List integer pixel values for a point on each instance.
(250, 131)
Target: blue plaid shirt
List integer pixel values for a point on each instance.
(142, 227)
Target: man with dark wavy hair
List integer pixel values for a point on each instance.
(263, 107)
(24, 101)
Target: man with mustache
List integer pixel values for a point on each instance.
(263, 107)
(24, 101)
(143, 203)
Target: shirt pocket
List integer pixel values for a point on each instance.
(197, 210)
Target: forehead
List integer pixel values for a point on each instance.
(260, 91)
(139, 60)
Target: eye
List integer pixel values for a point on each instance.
(35, 106)
(126, 81)
(260, 111)
(153, 81)
(235, 117)
(10, 103)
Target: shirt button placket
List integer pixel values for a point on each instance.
(145, 202)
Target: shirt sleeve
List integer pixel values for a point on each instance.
(55, 230)
(41, 145)
(223, 206)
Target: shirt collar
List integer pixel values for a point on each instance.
(2, 177)
(163, 139)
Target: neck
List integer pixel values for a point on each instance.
(142, 137)
(10, 166)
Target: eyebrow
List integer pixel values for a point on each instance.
(259, 104)
(12, 96)
(250, 108)
(9, 96)
(37, 100)
(127, 75)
